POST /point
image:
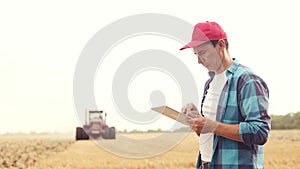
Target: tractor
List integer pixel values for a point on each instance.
(95, 127)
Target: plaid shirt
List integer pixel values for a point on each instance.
(244, 101)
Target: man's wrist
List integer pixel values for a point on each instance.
(209, 126)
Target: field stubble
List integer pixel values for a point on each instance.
(281, 151)
(24, 151)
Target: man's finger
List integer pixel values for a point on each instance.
(192, 114)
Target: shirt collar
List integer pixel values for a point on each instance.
(232, 68)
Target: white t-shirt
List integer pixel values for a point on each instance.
(210, 106)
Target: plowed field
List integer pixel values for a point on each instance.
(281, 151)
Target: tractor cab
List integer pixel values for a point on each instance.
(97, 115)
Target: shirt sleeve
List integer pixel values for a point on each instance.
(254, 96)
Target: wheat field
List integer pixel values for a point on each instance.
(282, 151)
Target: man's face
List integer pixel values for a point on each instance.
(208, 56)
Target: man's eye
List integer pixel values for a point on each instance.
(201, 52)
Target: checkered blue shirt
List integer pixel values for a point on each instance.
(244, 101)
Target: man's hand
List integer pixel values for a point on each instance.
(200, 124)
(188, 108)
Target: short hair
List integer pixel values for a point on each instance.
(214, 43)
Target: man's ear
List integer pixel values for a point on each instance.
(221, 43)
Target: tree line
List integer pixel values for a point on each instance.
(288, 121)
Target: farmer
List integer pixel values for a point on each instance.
(233, 121)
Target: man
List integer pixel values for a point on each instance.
(233, 122)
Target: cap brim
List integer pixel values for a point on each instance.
(193, 44)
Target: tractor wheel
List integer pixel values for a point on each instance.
(85, 136)
(80, 134)
(105, 134)
(79, 131)
(112, 133)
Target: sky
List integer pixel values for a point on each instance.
(41, 42)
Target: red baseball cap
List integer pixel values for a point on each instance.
(204, 32)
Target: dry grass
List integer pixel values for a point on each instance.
(24, 151)
(281, 151)
(85, 154)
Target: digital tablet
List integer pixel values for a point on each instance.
(171, 113)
